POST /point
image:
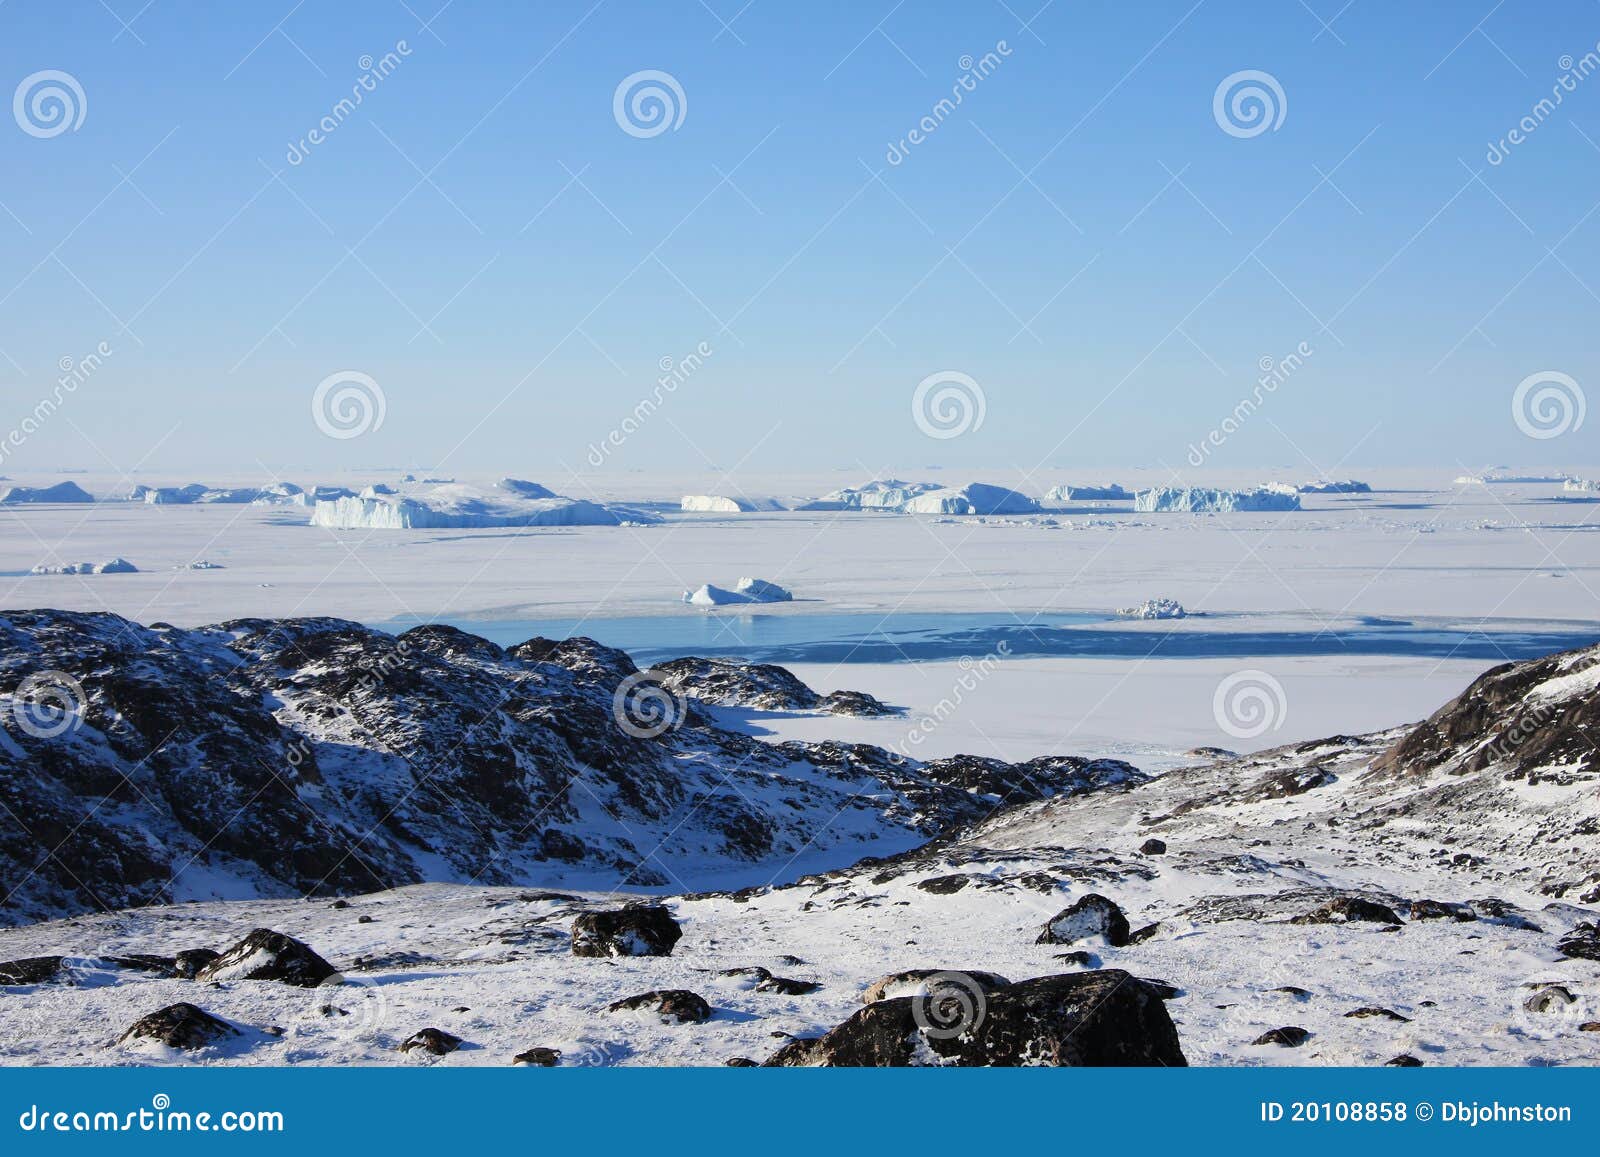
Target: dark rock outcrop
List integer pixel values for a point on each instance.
(268, 955)
(1089, 1018)
(1290, 1036)
(190, 961)
(539, 1056)
(179, 1026)
(1092, 915)
(672, 1005)
(639, 930)
(431, 1040)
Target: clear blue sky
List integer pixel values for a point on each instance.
(1113, 305)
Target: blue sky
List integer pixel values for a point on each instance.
(1079, 236)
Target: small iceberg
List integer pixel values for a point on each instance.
(1196, 500)
(879, 494)
(721, 504)
(1155, 609)
(974, 498)
(1334, 486)
(112, 566)
(60, 492)
(749, 590)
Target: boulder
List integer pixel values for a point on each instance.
(268, 955)
(1441, 910)
(672, 1005)
(1349, 910)
(190, 961)
(1403, 1061)
(1371, 1011)
(542, 1057)
(787, 986)
(179, 1026)
(1087, 1018)
(432, 1040)
(31, 970)
(1583, 941)
(1093, 915)
(639, 930)
(1290, 1036)
(1153, 847)
(915, 982)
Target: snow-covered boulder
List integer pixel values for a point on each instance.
(749, 590)
(1091, 916)
(456, 506)
(722, 504)
(879, 494)
(60, 492)
(638, 930)
(1334, 486)
(1110, 492)
(1196, 500)
(111, 566)
(974, 498)
(268, 955)
(1155, 609)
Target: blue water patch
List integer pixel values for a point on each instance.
(913, 636)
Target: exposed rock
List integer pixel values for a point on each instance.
(1153, 847)
(741, 1063)
(1140, 935)
(857, 703)
(1403, 1061)
(31, 970)
(1583, 942)
(1349, 909)
(1092, 915)
(1289, 1036)
(179, 1026)
(190, 961)
(786, 986)
(268, 955)
(1372, 1011)
(1550, 998)
(542, 1057)
(1441, 910)
(672, 1005)
(943, 885)
(431, 1040)
(914, 982)
(638, 930)
(1089, 1018)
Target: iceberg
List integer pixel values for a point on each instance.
(112, 566)
(1108, 493)
(974, 498)
(60, 492)
(1204, 501)
(749, 590)
(522, 488)
(1500, 477)
(457, 506)
(1155, 609)
(1333, 486)
(1580, 486)
(879, 494)
(719, 504)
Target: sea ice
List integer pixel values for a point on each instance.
(1206, 501)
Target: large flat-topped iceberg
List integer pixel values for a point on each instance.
(60, 492)
(1334, 486)
(974, 498)
(1110, 492)
(749, 590)
(113, 566)
(879, 494)
(1196, 500)
(459, 506)
(722, 504)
